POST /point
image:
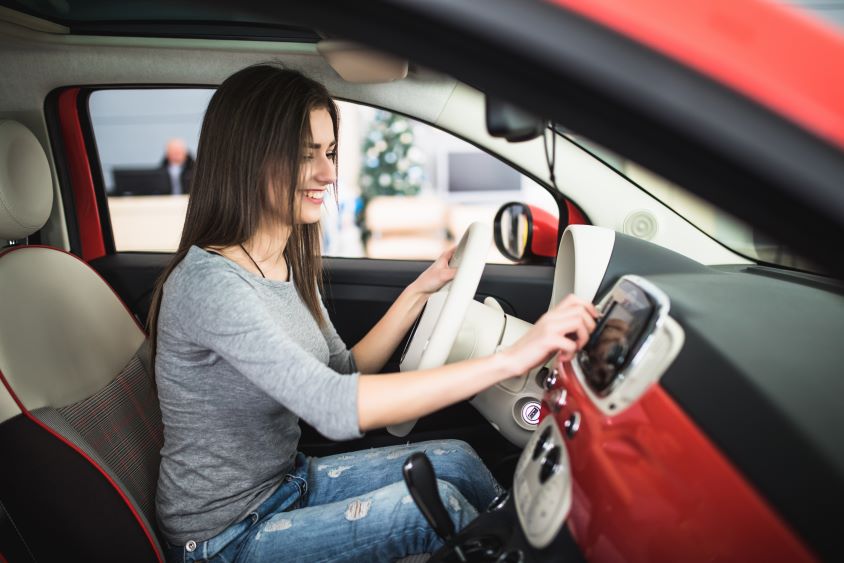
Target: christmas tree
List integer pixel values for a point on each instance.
(391, 164)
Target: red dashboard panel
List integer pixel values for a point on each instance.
(649, 486)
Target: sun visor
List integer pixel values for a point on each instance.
(359, 64)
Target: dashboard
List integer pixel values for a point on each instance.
(701, 416)
(633, 343)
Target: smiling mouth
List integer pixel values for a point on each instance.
(315, 196)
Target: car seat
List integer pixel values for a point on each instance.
(80, 425)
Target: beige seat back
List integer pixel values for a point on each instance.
(79, 417)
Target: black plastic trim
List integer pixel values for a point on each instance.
(521, 289)
(796, 276)
(86, 19)
(133, 275)
(503, 525)
(631, 255)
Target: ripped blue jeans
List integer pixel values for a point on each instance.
(352, 507)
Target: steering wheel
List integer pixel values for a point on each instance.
(437, 328)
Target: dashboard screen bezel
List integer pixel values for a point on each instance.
(659, 304)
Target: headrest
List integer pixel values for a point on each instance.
(26, 184)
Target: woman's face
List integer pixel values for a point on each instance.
(318, 168)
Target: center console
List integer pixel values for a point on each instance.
(526, 523)
(634, 342)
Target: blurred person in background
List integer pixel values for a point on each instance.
(178, 163)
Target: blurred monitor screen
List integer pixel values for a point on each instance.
(480, 172)
(145, 181)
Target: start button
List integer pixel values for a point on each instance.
(530, 412)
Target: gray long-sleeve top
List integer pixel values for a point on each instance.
(239, 360)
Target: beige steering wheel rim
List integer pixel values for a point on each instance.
(440, 323)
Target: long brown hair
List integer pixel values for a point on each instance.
(255, 130)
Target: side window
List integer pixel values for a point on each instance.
(147, 142)
(406, 190)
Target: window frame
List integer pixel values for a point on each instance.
(98, 178)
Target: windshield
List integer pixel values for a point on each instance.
(723, 227)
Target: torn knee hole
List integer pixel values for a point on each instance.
(358, 509)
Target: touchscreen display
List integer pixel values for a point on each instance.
(623, 327)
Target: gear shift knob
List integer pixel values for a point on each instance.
(422, 483)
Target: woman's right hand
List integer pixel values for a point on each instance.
(394, 398)
(565, 329)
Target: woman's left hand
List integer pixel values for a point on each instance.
(437, 274)
(373, 351)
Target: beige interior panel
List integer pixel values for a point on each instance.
(64, 335)
(41, 62)
(8, 407)
(25, 182)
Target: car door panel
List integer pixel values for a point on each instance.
(133, 275)
(357, 291)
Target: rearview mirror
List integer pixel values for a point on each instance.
(525, 233)
(512, 123)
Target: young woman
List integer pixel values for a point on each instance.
(243, 347)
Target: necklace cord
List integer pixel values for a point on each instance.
(253, 260)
